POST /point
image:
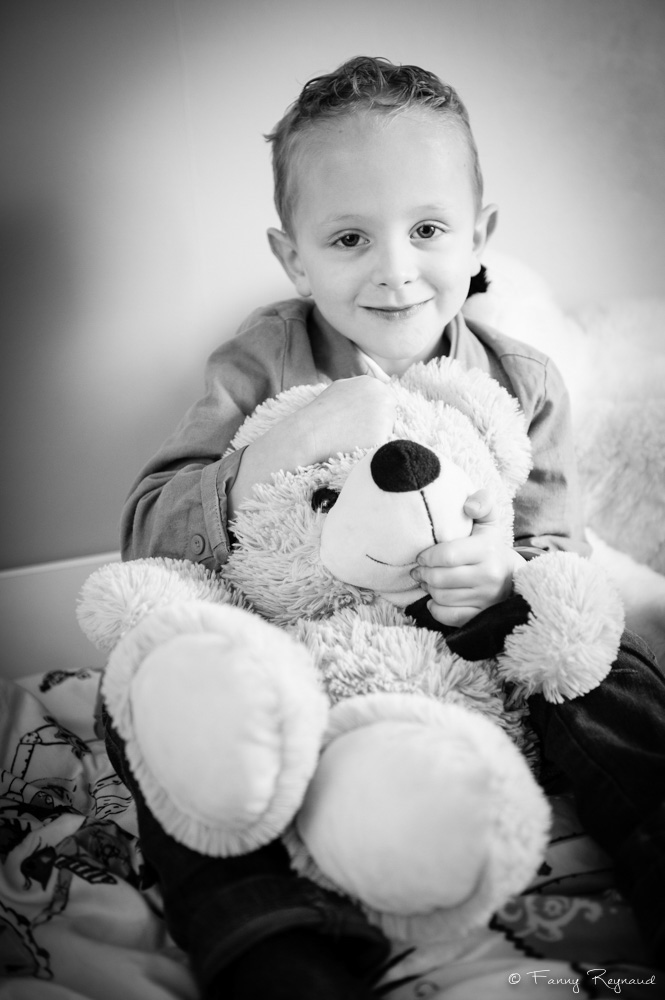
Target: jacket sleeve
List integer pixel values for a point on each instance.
(548, 508)
(177, 507)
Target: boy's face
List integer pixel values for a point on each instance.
(386, 231)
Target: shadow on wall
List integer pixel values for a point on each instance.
(36, 291)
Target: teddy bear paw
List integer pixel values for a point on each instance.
(425, 813)
(572, 635)
(117, 596)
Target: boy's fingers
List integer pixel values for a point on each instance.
(480, 506)
(446, 578)
(453, 617)
(454, 598)
(451, 555)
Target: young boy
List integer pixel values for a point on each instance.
(379, 192)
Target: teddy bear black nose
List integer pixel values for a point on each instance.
(402, 466)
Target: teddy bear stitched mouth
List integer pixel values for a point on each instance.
(382, 562)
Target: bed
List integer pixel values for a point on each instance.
(74, 924)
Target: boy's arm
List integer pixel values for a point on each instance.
(179, 512)
(549, 513)
(177, 506)
(184, 498)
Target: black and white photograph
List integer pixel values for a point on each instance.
(332, 576)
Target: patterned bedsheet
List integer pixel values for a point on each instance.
(74, 924)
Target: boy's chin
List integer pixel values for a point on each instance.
(408, 345)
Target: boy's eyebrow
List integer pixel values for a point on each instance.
(349, 217)
(355, 217)
(433, 209)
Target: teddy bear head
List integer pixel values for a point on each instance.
(342, 532)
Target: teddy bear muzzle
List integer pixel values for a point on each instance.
(397, 501)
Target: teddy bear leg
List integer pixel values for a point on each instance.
(424, 812)
(221, 716)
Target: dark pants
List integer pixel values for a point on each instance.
(611, 745)
(218, 909)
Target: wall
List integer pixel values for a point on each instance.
(136, 191)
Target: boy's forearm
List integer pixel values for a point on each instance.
(549, 514)
(180, 514)
(164, 517)
(284, 447)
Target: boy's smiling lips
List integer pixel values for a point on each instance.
(396, 312)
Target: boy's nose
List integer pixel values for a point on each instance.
(394, 267)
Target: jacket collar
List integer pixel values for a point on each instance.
(337, 357)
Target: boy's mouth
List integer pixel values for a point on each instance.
(396, 312)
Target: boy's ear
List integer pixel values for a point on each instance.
(483, 229)
(287, 254)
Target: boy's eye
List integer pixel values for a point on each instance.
(427, 230)
(348, 240)
(324, 499)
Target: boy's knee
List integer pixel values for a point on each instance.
(634, 650)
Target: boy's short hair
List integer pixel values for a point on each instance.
(362, 83)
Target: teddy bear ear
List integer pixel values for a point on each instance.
(118, 596)
(494, 413)
(271, 412)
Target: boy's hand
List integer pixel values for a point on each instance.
(351, 413)
(467, 575)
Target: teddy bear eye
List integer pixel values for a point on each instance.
(324, 499)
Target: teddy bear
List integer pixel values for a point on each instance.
(300, 694)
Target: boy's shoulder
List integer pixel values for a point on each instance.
(504, 346)
(287, 313)
(267, 333)
(524, 370)
(270, 350)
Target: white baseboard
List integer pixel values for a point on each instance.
(38, 626)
